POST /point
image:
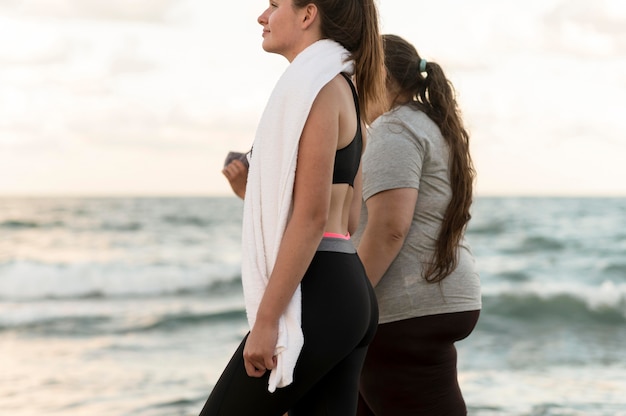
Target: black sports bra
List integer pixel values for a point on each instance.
(348, 159)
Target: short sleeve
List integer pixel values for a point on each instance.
(393, 158)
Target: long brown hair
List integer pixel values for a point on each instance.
(354, 24)
(434, 94)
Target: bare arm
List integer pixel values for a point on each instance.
(311, 202)
(389, 216)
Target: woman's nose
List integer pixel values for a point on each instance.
(262, 19)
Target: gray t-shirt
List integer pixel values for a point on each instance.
(405, 149)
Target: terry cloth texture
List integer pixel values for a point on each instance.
(269, 191)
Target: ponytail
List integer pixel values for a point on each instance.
(433, 94)
(369, 63)
(354, 25)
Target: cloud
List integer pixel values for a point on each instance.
(127, 64)
(586, 29)
(601, 16)
(24, 45)
(54, 54)
(177, 129)
(132, 10)
(497, 29)
(129, 59)
(111, 82)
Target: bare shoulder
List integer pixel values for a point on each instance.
(336, 90)
(332, 112)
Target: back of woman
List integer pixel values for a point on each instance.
(417, 188)
(406, 149)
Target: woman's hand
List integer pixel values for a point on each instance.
(258, 354)
(237, 175)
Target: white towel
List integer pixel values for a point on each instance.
(269, 190)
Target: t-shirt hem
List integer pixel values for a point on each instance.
(383, 319)
(373, 190)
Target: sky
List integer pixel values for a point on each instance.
(146, 97)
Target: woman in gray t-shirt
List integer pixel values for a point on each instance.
(413, 247)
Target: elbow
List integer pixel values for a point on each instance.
(312, 221)
(394, 234)
(395, 237)
(318, 221)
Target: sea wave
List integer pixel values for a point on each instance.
(123, 226)
(534, 243)
(177, 321)
(605, 305)
(188, 220)
(29, 280)
(101, 324)
(515, 276)
(616, 268)
(487, 228)
(14, 224)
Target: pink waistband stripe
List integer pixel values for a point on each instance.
(336, 235)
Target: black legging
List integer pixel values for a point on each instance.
(339, 317)
(410, 368)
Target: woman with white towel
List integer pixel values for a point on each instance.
(311, 309)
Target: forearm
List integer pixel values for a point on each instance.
(390, 215)
(297, 248)
(377, 251)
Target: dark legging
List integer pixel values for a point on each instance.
(339, 318)
(410, 368)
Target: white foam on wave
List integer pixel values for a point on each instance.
(608, 294)
(23, 280)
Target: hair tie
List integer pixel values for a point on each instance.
(423, 65)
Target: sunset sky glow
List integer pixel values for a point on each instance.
(146, 97)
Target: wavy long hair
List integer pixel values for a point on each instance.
(434, 94)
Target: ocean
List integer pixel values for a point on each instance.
(132, 306)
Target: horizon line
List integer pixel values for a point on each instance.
(147, 195)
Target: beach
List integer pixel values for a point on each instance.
(133, 306)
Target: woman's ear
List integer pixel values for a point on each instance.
(309, 16)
